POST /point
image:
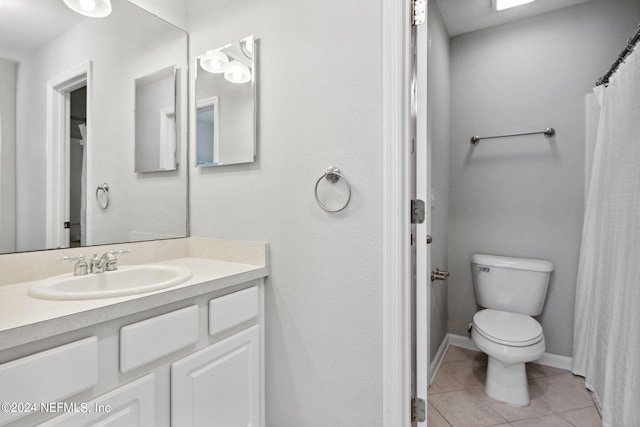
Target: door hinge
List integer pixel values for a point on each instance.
(418, 12)
(417, 211)
(418, 411)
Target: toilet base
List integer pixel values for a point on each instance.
(507, 382)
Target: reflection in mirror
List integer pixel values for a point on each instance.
(225, 105)
(67, 91)
(155, 121)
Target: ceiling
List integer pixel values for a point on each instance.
(464, 16)
(26, 25)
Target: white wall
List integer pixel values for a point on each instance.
(438, 134)
(111, 152)
(8, 74)
(172, 11)
(524, 196)
(319, 91)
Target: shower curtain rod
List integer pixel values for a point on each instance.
(604, 80)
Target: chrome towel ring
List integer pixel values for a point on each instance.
(333, 175)
(105, 190)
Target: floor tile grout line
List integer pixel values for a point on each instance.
(442, 415)
(466, 387)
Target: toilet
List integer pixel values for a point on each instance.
(510, 291)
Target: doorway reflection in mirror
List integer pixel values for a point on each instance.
(225, 104)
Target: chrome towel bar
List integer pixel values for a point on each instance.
(548, 132)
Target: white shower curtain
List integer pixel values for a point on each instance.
(606, 344)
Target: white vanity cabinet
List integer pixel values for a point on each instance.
(220, 385)
(195, 362)
(130, 405)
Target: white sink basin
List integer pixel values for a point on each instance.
(127, 280)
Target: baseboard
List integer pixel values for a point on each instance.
(547, 359)
(462, 342)
(556, 361)
(437, 360)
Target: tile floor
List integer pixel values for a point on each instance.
(457, 399)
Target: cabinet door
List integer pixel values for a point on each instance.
(131, 405)
(219, 386)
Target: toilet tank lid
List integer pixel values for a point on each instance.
(511, 262)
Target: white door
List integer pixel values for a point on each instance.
(219, 385)
(422, 185)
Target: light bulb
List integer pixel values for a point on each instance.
(237, 72)
(88, 5)
(90, 8)
(214, 62)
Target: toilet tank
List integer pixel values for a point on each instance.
(518, 285)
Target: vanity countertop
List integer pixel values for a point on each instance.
(25, 319)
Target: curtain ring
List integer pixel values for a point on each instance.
(105, 189)
(332, 175)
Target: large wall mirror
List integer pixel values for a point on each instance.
(226, 104)
(69, 88)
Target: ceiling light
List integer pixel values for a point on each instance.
(506, 4)
(237, 72)
(214, 61)
(90, 8)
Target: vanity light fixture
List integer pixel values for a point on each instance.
(247, 46)
(237, 72)
(214, 61)
(506, 4)
(90, 8)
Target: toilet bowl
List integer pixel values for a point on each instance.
(510, 291)
(510, 340)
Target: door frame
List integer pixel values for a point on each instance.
(58, 140)
(396, 228)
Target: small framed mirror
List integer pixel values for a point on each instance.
(226, 104)
(155, 121)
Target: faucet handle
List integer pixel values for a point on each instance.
(122, 252)
(71, 258)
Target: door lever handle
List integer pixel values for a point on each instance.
(439, 275)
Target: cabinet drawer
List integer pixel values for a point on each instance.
(152, 339)
(132, 404)
(232, 310)
(49, 376)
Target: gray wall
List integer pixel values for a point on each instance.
(438, 134)
(524, 196)
(319, 93)
(8, 74)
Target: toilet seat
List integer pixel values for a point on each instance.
(511, 329)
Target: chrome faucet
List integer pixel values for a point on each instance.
(80, 268)
(107, 262)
